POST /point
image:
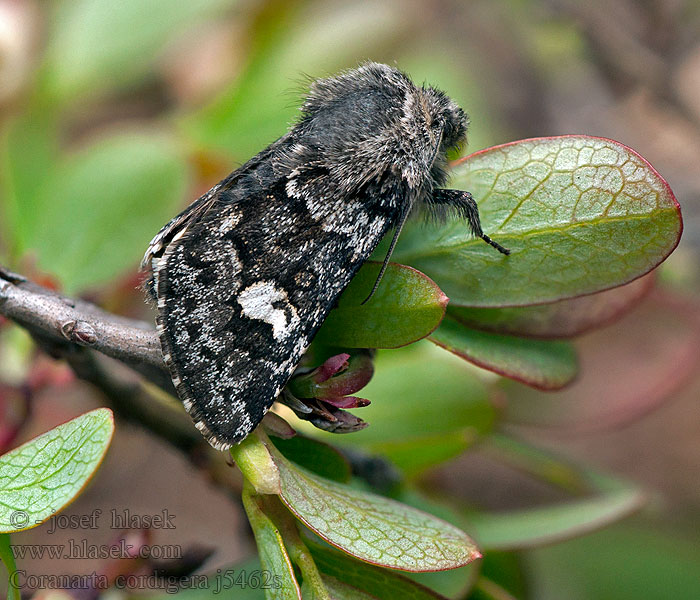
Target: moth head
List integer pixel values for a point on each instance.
(446, 125)
(446, 118)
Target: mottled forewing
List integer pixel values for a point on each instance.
(242, 291)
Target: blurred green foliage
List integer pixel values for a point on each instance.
(83, 188)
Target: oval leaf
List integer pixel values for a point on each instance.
(565, 318)
(372, 528)
(406, 307)
(546, 365)
(44, 475)
(579, 214)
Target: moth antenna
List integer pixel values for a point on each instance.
(387, 258)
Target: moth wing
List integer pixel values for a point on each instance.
(195, 211)
(177, 225)
(242, 291)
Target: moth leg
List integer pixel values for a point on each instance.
(463, 203)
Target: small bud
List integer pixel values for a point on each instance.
(346, 402)
(79, 332)
(340, 375)
(319, 396)
(340, 421)
(276, 426)
(335, 364)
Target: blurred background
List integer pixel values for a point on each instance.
(115, 115)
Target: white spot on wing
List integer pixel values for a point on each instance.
(257, 302)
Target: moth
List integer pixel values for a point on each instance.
(244, 277)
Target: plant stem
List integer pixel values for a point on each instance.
(8, 559)
(298, 551)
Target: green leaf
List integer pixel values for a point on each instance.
(380, 583)
(562, 319)
(95, 216)
(273, 554)
(320, 458)
(547, 365)
(95, 46)
(313, 587)
(44, 475)
(453, 583)
(579, 214)
(406, 307)
(372, 528)
(534, 527)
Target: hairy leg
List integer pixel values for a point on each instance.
(463, 204)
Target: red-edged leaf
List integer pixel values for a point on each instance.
(541, 364)
(579, 214)
(562, 319)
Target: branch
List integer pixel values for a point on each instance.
(58, 320)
